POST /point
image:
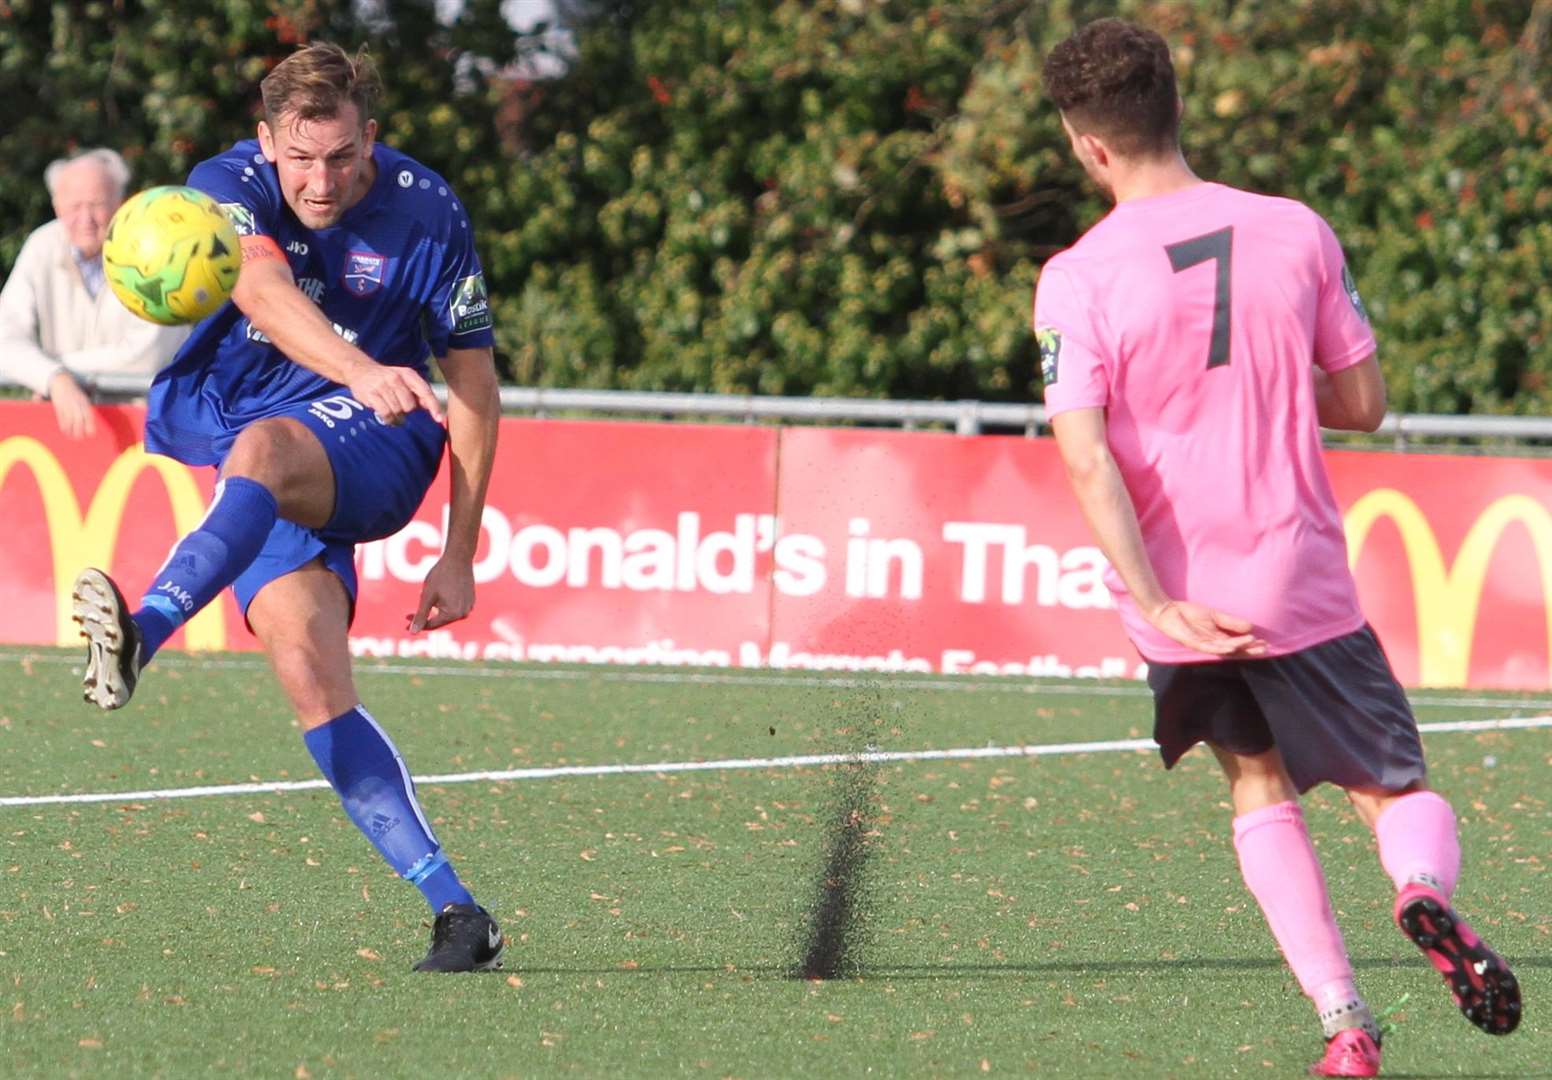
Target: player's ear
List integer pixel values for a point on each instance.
(267, 142)
(369, 136)
(1096, 151)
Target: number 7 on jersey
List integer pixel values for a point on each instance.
(1218, 247)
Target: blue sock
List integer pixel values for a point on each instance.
(364, 767)
(207, 560)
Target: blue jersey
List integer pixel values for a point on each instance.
(397, 275)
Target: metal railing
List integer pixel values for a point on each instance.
(963, 417)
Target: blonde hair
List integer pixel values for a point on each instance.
(316, 81)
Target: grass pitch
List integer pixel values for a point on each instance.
(1077, 914)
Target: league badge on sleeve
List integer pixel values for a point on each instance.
(241, 218)
(469, 305)
(1050, 341)
(1352, 293)
(364, 272)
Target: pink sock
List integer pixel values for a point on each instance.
(1416, 834)
(1280, 868)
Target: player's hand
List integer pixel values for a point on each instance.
(1206, 630)
(394, 392)
(72, 408)
(446, 596)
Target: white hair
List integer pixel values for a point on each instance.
(110, 161)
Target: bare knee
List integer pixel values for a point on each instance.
(302, 620)
(1256, 780)
(263, 449)
(286, 458)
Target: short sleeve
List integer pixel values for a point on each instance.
(459, 310)
(1343, 336)
(253, 206)
(1073, 362)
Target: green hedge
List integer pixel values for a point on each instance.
(854, 196)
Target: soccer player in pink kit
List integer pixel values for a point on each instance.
(1192, 344)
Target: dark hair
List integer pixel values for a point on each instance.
(316, 81)
(1114, 79)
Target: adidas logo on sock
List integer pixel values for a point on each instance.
(382, 824)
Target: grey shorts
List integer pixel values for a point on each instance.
(1334, 710)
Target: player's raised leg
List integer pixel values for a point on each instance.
(200, 565)
(1283, 873)
(1420, 851)
(276, 469)
(302, 619)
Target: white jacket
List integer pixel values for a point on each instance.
(49, 321)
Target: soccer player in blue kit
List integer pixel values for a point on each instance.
(309, 391)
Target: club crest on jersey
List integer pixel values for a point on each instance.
(364, 272)
(1050, 341)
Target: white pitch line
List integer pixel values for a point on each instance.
(882, 680)
(1506, 724)
(967, 753)
(468, 669)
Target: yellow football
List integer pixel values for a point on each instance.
(171, 255)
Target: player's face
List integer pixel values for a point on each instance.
(325, 165)
(84, 200)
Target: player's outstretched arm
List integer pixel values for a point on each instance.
(1107, 507)
(473, 420)
(269, 297)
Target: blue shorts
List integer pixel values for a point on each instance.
(381, 474)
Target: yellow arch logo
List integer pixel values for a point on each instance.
(79, 541)
(1448, 598)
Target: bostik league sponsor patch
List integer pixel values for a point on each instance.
(1352, 293)
(469, 305)
(1050, 341)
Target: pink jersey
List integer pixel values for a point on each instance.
(1193, 319)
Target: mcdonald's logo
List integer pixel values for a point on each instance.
(79, 540)
(1448, 598)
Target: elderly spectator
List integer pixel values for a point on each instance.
(59, 321)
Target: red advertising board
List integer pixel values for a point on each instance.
(1453, 557)
(633, 543)
(942, 553)
(102, 502)
(794, 547)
